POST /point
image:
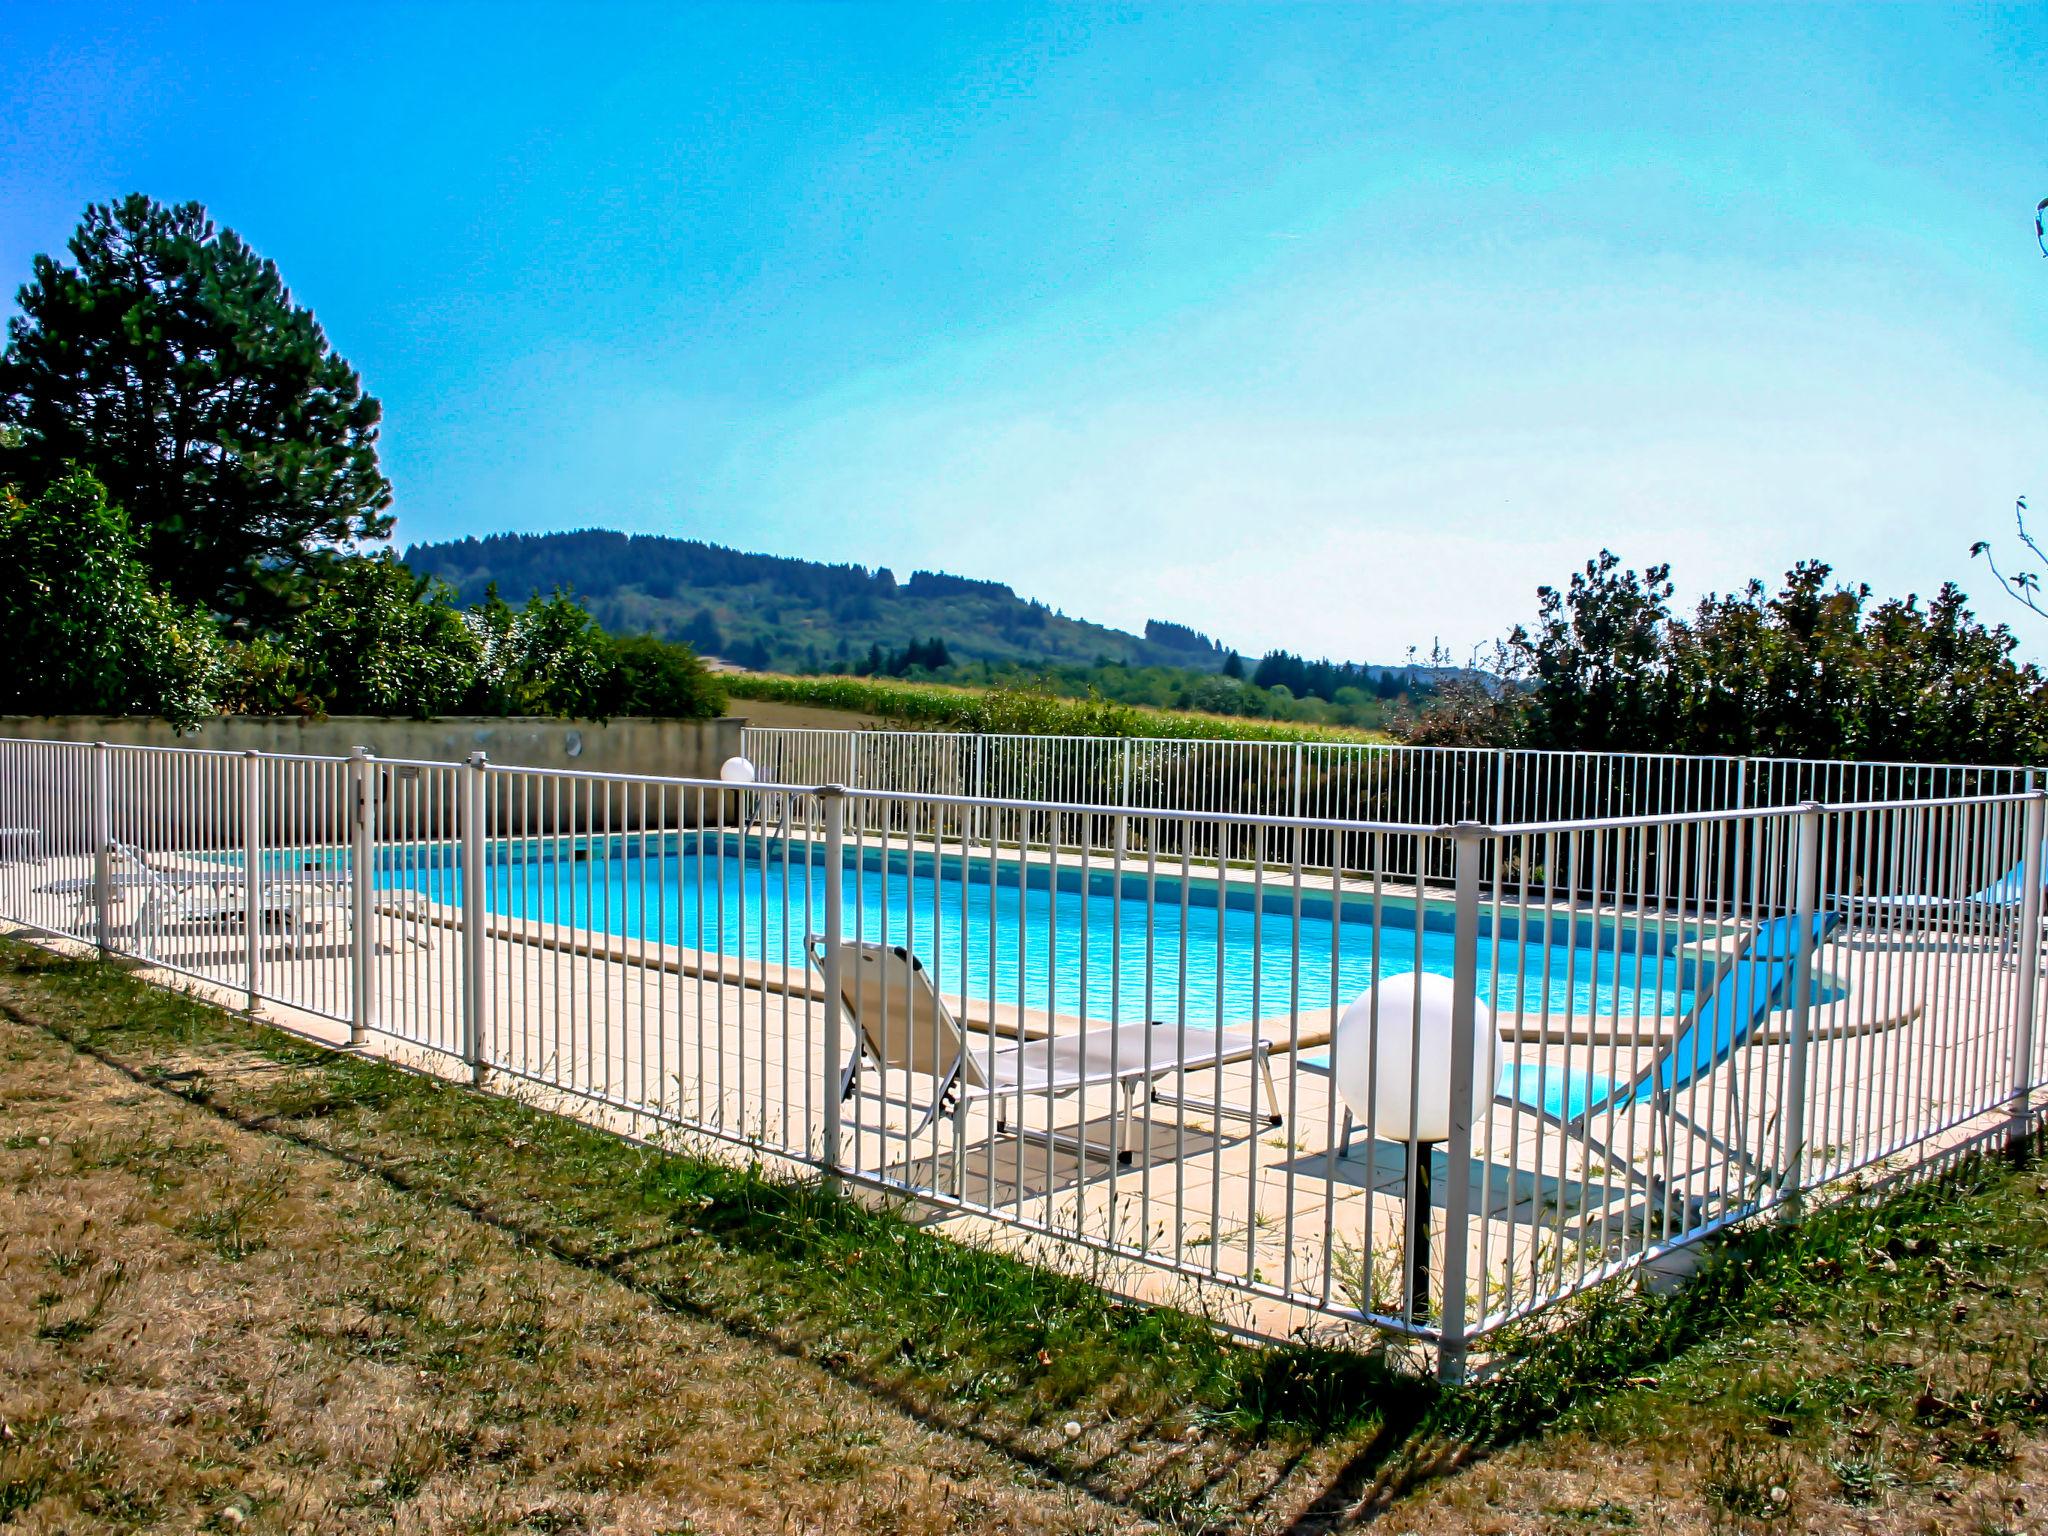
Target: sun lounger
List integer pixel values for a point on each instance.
(905, 1027)
(1749, 985)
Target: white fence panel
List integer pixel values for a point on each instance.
(1102, 992)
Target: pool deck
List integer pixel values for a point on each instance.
(727, 1057)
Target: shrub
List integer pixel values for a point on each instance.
(380, 641)
(662, 679)
(87, 629)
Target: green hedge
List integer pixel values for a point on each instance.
(1020, 711)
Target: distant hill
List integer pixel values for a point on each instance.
(772, 612)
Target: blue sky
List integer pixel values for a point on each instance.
(1337, 329)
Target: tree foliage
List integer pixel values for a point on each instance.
(774, 611)
(1597, 659)
(656, 678)
(918, 656)
(169, 358)
(87, 630)
(1307, 679)
(546, 658)
(381, 640)
(1816, 669)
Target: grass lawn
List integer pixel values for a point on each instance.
(246, 1284)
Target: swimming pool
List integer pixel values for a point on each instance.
(1063, 940)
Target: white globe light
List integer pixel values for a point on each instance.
(1413, 1052)
(737, 770)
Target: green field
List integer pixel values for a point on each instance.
(944, 707)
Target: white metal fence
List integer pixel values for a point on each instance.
(1070, 1021)
(1334, 782)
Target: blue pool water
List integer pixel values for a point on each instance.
(1028, 937)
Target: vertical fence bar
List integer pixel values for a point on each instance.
(474, 1023)
(1471, 838)
(363, 941)
(978, 828)
(103, 847)
(2027, 956)
(1805, 904)
(252, 872)
(834, 797)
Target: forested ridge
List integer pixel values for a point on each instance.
(786, 614)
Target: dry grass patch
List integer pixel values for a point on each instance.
(208, 1328)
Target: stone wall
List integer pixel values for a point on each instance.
(675, 749)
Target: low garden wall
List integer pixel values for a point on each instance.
(207, 806)
(684, 749)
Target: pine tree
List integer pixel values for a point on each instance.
(171, 362)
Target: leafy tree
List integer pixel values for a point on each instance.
(380, 641)
(1815, 670)
(702, 632)
(265, 678)
(556, 662)
(169, 358)
(1597, 658)
(749, 653)
(1223, 696)
(86, 629)
(666, 681)
(1818, 671)
(1306, 679)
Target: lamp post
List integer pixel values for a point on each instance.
(1391, 1062)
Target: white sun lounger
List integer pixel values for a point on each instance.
(905, 1026)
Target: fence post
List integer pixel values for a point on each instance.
(103, 848)
(362, 971)
(474, 1020)
(981, 786)
(2027, 953)
(1805, 906)
(252, 871)
(1471, 840)
(834, 798)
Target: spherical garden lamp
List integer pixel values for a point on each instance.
(1394, 1076)
(738, 773)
